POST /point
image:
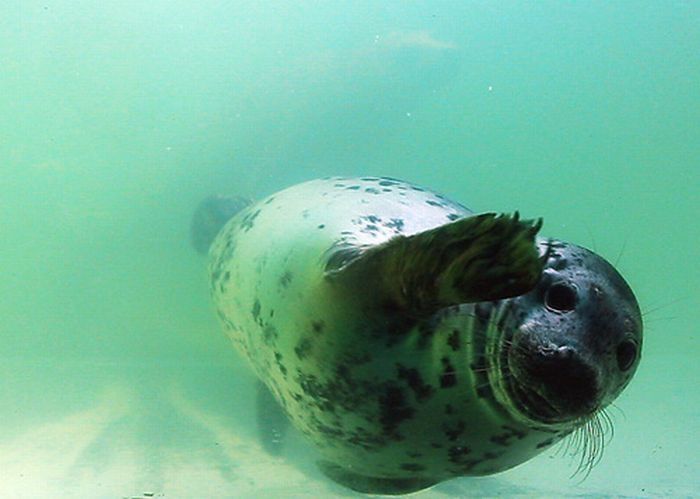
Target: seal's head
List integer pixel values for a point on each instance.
(579, 339)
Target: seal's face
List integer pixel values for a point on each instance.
(579, 340)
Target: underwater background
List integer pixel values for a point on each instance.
(117, 118)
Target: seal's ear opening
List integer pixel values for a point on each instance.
(210, 216)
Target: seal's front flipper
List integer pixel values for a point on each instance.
(480, 258)
(374, 485)
(271, 419)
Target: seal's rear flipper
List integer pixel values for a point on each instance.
(374, 485)
(272, 421)
(210, 216)
(480, 258)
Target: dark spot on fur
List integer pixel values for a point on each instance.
(393, 409)
(321, 226)
(353, 187)
(270, 334)
(317, 326)
(519, 434)
(434, 203)
(303, 348)
(249, 220)
(256, 309)
(448, 378)
(458, 452)
(416, 188)
(228, 324)
(372, 190)
(396, 224)
(357, 358)
(317, 393)
(413, 379)
(545, 443)
(360, 437)
(269, 200)
(452, 433)
(286, 279)
(453, 340)
(426, 330)
(387, 183)
(329, 431)
(464, 463)
(280, 365)
(412, 467)
(453, 216)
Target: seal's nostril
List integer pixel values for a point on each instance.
(626, 354)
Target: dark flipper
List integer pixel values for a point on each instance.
(210, 216)
(374, 485)
(480, 258)
(272, 421)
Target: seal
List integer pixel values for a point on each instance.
(412, 340)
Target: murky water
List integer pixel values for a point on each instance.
(117, 118)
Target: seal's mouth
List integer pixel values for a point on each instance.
(531, 403)
(552, 383)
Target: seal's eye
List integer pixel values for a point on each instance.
(560, 297)
(626, 353)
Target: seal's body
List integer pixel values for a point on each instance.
(413, 341)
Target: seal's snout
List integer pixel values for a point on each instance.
(565, 380)
(555, 382)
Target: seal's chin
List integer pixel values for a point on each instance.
(553, 384)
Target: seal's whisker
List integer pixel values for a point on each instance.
(619, 255)
(609, 425)
(658, 318)
(646, 312)
(618, 409)
(588, 441)
(590, 234)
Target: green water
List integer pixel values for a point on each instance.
(116, 118)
